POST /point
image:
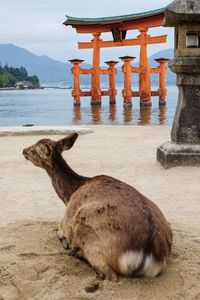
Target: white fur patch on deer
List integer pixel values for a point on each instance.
(107, 222)
(130, 261)
(151, 267)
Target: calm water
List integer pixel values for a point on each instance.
(55, 107)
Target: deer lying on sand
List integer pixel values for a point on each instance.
(107, 222)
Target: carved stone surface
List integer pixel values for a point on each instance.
(172, 154)
(186, 126)
(184, 148)
(186, 65)
(180, 11)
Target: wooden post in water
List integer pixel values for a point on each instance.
(112, 80)
(162, 76)
(76, 71)
(127, 70)
(96, 89)
(144, 75)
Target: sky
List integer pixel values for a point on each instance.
(37, 26)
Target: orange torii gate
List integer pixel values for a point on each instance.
(119, 26)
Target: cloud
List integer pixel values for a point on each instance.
(37, 25)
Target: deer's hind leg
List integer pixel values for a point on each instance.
(87, 239)
(61, 237)
(66, 236)
(98, 261)
(63, 240)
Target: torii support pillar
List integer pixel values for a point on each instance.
(162, 77)
(96, 89)
(144, 77)
(76, 92)
(112, 84)
(127, 70)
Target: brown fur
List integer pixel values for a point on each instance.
(104, 217)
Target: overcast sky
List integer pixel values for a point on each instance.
(37, 26)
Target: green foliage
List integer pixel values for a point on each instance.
(9, 76)
(34, 79)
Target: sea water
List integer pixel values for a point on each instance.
(55, 107)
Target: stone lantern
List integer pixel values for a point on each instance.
(184, 147)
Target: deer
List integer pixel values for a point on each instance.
(106, 222)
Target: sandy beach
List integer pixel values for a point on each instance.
(33, 264)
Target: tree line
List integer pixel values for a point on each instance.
(9, 76)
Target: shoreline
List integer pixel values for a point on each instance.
(30, 129)
(71, 87)
(27, 130)
(41, 88)
(17, 89)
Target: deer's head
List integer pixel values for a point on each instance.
(42, 153)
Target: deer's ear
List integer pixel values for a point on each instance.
(44, 151)
(68, 142)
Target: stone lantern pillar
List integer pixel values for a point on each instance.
(184, 147)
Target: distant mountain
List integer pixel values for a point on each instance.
(170, 77)
(46, 68)
(53, 71)
(168, 53)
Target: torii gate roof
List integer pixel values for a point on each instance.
(75, 22)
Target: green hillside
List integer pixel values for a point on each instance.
(9, 76)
